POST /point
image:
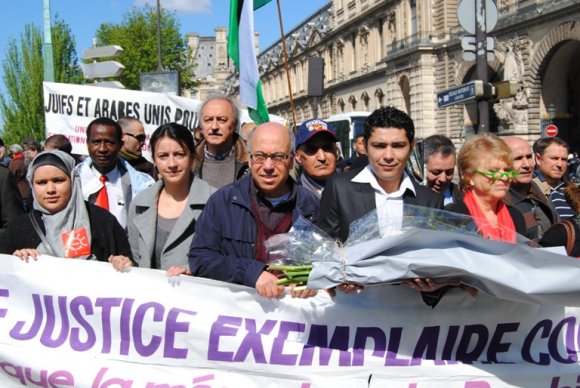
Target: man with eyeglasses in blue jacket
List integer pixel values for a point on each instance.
(229, 243)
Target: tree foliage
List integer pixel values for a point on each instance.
(23, 108)
(137, 35)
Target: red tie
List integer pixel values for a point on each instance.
(102, 196)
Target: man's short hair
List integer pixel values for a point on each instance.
(125, 121)
(60, 142)
(227, 99)
(389, 117)
(107, 122)
(541, 144)
(33, 145)
(438, 144)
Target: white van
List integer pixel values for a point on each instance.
(348, 126)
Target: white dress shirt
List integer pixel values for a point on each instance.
(115, 193)
(389, 205)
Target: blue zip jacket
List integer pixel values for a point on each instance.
(224, 242)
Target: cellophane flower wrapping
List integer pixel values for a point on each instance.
(386, 248)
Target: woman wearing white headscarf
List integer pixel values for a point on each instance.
(62, 224)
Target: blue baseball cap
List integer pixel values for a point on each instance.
(311, 127)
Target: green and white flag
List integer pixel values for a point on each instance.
(241, 50)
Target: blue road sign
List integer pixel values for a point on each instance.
(461, 93)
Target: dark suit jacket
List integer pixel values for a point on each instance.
(344, 201)
(456, 194)
(10, 202)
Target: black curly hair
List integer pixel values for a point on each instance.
(389, 117)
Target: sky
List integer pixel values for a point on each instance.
(200, 16)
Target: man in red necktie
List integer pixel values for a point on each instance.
(108, 180)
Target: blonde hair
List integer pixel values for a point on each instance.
(477, 148)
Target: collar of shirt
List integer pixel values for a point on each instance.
(223, 156)
(310, 183)
(282, 205)
(112, 176)
(541, 177)
(368, 176)
(115, 193)
(447, 195)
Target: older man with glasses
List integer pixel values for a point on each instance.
(230, 235)
(134, 138)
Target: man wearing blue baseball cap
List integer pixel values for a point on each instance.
(316, 154)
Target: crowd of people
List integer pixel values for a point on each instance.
(210, 200)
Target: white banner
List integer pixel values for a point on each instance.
(79, 323)
(69, 108)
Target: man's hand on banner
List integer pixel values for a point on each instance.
(428, 284)
(301, 291)
(267, 285)
(176, 271)
(349, 287)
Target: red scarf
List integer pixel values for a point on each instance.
(506, 231)
(17, 156)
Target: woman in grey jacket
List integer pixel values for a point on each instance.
(162, 218)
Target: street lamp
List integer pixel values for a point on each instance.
(159, 63)
(160, 81)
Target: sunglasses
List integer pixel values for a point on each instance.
(139, 138)
(312, 149)
(496, 175)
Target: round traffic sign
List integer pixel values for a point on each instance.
(552, 130)
(467, 13)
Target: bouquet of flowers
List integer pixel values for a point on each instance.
(425, 243)
(293, 254)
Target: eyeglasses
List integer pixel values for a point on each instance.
(312, 149)
(496, 175)
(277, 158)
(140, 138)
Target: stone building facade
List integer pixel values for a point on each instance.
(403, 52)
(213, 66)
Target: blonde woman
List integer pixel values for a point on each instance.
(485, 164)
